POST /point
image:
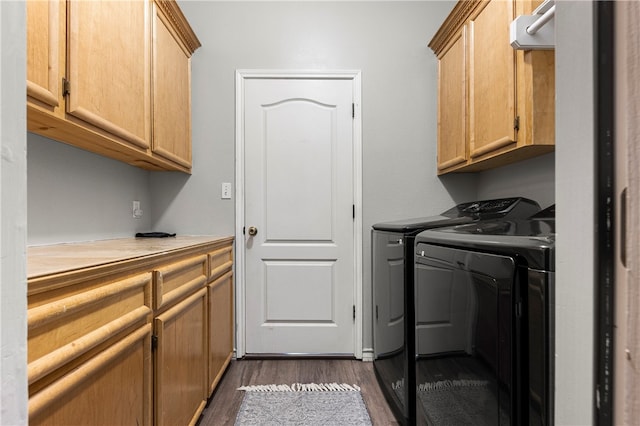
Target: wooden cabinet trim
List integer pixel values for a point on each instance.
(86, 371)
(221, 269)
(175, 310)
(67, 353)
(163, 298)
(220, 280)
(179, 23)
(48, 95)
(500, 143)
(454, 22)
(69, 305)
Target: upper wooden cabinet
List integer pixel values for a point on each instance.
(99, 75)
(172, 51)
(495, 104)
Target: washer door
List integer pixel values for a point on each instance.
(466, 311)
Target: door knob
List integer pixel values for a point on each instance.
(253, 231)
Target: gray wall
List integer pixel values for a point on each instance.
(532, 178)
(13, 220)
(75, 195)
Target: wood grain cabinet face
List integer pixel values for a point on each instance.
(45, 53)
(452, 105)
(180, 361)
(171, 93)
(220, 311)
(109, 72)
(506, 95)
(174, 281)
(84, 341)
(492, 89)
(113, 78)
(136, 341)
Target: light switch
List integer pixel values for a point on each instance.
(226, 191)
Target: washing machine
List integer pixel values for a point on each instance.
(393, 305)
(484, 323)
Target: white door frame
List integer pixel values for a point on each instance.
(241, 77)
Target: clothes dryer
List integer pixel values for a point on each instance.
(393, 304)
(484, 323)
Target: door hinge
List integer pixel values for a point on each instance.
(353, 110)
(66, 87)
(376, 312)
(354, 312)
(516, 123)
(353, 211)
(154, 342)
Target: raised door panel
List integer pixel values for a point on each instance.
(180, 367)
(452, 104)
(45, 52)
(171, 94)
(492, 88)
(112, 388)
(220, 327)
(108, 63)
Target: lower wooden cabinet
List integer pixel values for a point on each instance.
(221, 326)
(180, 361)
(140, 341)
(111, 388)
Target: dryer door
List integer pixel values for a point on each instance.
(465, 320)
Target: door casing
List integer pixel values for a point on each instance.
(241, 77)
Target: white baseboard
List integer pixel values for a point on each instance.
(367, 354)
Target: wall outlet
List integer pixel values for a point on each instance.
(225, 192)
(137, 211)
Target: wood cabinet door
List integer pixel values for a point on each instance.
(452, 104)
(171, 94)
(492, 85)
(108, 67)
(45, 52)
(180, 367)
(220, 327)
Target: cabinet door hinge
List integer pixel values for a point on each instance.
(66, 87)
(154, 342)
(376, 312)
(354, 312)
(353, 110)
(516, 123)
(353, 211)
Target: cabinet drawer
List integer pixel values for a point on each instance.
(220, 261)
(66, 326)
(175, 281)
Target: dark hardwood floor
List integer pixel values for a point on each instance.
(225, 402)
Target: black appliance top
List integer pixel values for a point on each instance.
(532, 239)
(514, 207)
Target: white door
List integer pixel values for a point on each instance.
(299, 196)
